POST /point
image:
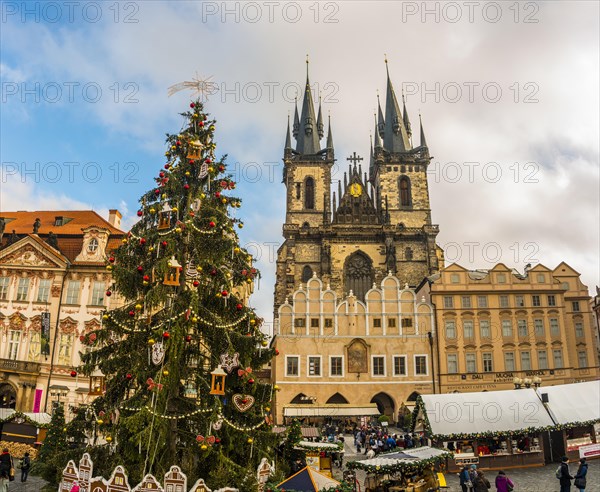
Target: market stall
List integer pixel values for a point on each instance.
(320, 456)
(408, 471)
(22, 432)
(575, 409)
(493, 429)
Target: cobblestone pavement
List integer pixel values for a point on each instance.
(33, 484)
(539, 479)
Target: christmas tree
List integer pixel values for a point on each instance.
(180, 357)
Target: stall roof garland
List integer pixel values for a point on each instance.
(319, 446)
(26, 418)
(398, 465)
(420, 408)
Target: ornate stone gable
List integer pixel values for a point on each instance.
(95, 240)
(28, 256)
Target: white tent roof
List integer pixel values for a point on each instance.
(578, 402)
(490, 411)
(40, 418)
(412, 455)
(329, 410)
(318, 445)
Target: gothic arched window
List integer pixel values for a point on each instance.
(408, 254)
(358, 274)
(307, 274)
(405, 198)
(309, 193)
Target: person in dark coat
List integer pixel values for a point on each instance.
(465, 479)
(6, 464)
(481, 483)
(565, 475)
(25, 466)
(580, 480)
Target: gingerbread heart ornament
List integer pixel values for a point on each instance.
(243, 402)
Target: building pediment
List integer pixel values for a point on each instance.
(32, 252)
(93, 250)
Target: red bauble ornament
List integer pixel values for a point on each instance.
(211, 224)
(223, 184)
(128, 376)
(108, 293)
(244, 272)
(192, 105)
(251, 381)
(157, 192)
(276, 352)
(167, 165)
(178, 142)
(132, 313)
(192, 214)
(112, 259)
(208, 160)
(188, 338)
(195, 283)
(186, 186)
(217, 440)
(81, 338)
(139, 213)
(213, 272)
(221, 168)
(146, 278)
(161, 174)
(218, 194)
(140, 268)
(224, 293)
(164, 244)
(142, 241)
(73, 374)
(201, 123)
(239, 307)
(166, 335)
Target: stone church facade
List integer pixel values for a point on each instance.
(354, 339)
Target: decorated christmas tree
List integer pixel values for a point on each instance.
(180, 357)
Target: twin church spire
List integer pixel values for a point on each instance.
(392, 132)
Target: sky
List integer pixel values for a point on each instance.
(508, 93)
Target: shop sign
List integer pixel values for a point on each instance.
(589, 451)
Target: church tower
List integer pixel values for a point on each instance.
(370, 224)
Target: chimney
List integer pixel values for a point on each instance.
(114, 218)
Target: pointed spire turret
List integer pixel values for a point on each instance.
(395, 138)
(308, 135)
(329, 134)
(377, 138)
(380, 124)
(296, 120)
(320, 126)
(423, 141)
(405, 117)
(288, 138)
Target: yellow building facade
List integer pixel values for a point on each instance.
(496, 327)
(344, 358)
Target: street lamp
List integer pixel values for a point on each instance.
(527, 382)
(518, 382)
(537, 381)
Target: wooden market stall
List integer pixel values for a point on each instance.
(575, 409)
(493, 429)
(405, 471)
(321, 455)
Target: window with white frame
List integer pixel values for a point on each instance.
(582, 358)
(292, 365)
(65, 347)
(73, 288)
(551, 300)
(450, 329)
(448, 302)
(452, 361)
(23, 289)
(504, 302)
(44, 290)
(336, 365)
(421, 365)
(482, 302)
(554, 327)
(471, 362)
(484, 328)
(314, 365)
(468, 329)
(465, 301)
(558, 358)
(378, 365)
(578, 329)
(507, 330)
(542, 359)
(97, 297)
(526, 360)
(488, 362)
(536, 301)
(35, 346)
(4, 283)
(509, 361)
(522, 327)
(538, 326)
(400, 365)
(14, 342)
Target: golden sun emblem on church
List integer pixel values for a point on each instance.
(355, 189)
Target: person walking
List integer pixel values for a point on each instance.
(564, 475)
(503, 483)
(25, 466)
(465, 479)
(580, 480)
(481, 483)
(6, 463)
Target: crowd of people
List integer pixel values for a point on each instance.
(374, 440)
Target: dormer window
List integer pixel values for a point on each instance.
(58, 220)
(92, 246)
